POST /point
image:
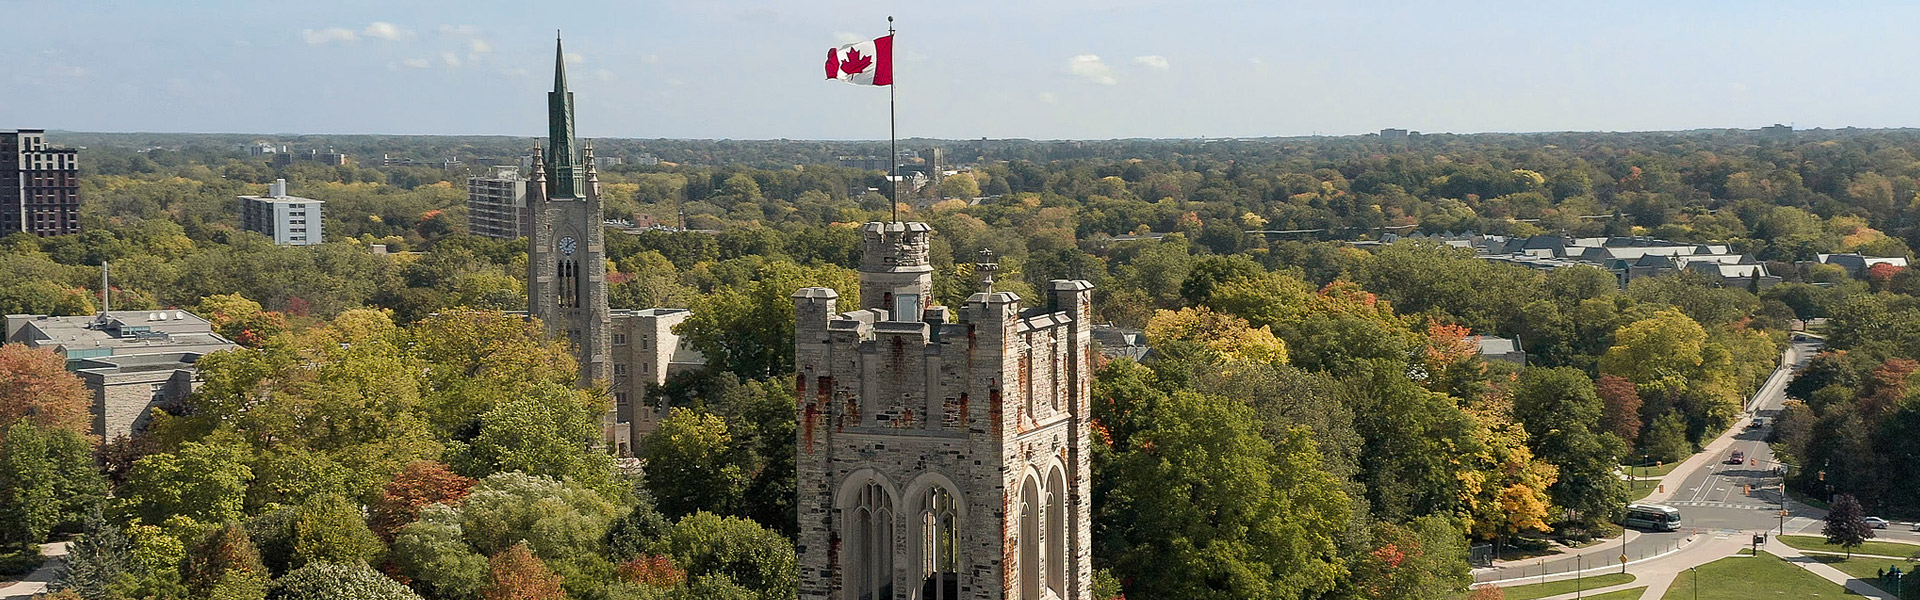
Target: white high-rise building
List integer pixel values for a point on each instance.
(289, 220)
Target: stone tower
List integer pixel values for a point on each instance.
(566, 252)
(942, 460)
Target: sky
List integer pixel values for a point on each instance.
(1038, 69)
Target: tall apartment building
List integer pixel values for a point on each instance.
(941, 459)
(40, 193)
(289, 220)
(497, 204)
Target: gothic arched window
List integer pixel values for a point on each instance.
(1056, 533)
(1029, 540)
(868, 568)
(939, 546)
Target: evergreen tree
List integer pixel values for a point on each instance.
(101, 556)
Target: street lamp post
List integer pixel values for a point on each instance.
(1696, 581)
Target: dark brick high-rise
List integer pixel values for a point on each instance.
(39, 185)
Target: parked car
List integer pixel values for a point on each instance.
(1737, 458)
(1876, 522)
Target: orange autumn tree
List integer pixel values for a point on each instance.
(420, 484)
(36, 386)
(516, 574)
(652, 571)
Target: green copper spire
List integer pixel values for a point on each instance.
(563, 166)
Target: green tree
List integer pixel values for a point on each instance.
(100, 557)
(1661, 351)
(747, 329)
(330, 529)
(28, 483)
(1195, 504)
(1666, 439)
(545, 433)
(331, 581)
(738, 550)
(434, 554)
(203, 482)
(1561, 413)
(1423, 559)
(558, 520)
(691, 464)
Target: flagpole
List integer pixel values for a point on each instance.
(893, 139)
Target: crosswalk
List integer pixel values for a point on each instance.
(1729, 505)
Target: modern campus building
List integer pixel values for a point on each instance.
(39, 185)
(288, 220)
(132, 360)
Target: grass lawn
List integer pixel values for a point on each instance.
(1640, 489)
(1632, 594)
(1555, 588)
(1750, 577)
(1650, 470)
(1814, 542)
(1861, 568)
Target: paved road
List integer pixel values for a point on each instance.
(1721, 495)
(1712, 495)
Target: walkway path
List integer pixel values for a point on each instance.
(36, 582)
(1825, 571)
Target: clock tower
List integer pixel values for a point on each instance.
(566, 254)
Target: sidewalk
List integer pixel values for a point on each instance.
(1657, 575)
(36, 582)
(1793, 555)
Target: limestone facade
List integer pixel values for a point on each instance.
(942, 460)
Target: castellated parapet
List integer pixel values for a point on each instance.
(942, 460)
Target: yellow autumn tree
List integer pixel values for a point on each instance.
(1227, 338)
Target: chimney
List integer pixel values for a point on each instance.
(278, 189)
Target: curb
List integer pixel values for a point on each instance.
(1583, 572)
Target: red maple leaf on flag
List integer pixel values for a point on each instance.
(854, 62)
(833, 63)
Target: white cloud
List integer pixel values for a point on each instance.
(479, 46)
(417, 63)
(843, 38)
(331, 34)
(386, 31)
(575, 58)
(467, 30)
(1048, 97)
(603, 74)
(452, 60)
(651, 59)
(1090, 68)
(1155, 62)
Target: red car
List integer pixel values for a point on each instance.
(1737, 458)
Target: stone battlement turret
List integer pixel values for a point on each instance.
(944, 457)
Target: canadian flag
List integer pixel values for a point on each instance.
(863, 63)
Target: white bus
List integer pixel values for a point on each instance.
(1656, 517)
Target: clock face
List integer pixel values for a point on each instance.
(567, 245)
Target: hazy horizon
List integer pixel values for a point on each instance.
(1074, 70)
